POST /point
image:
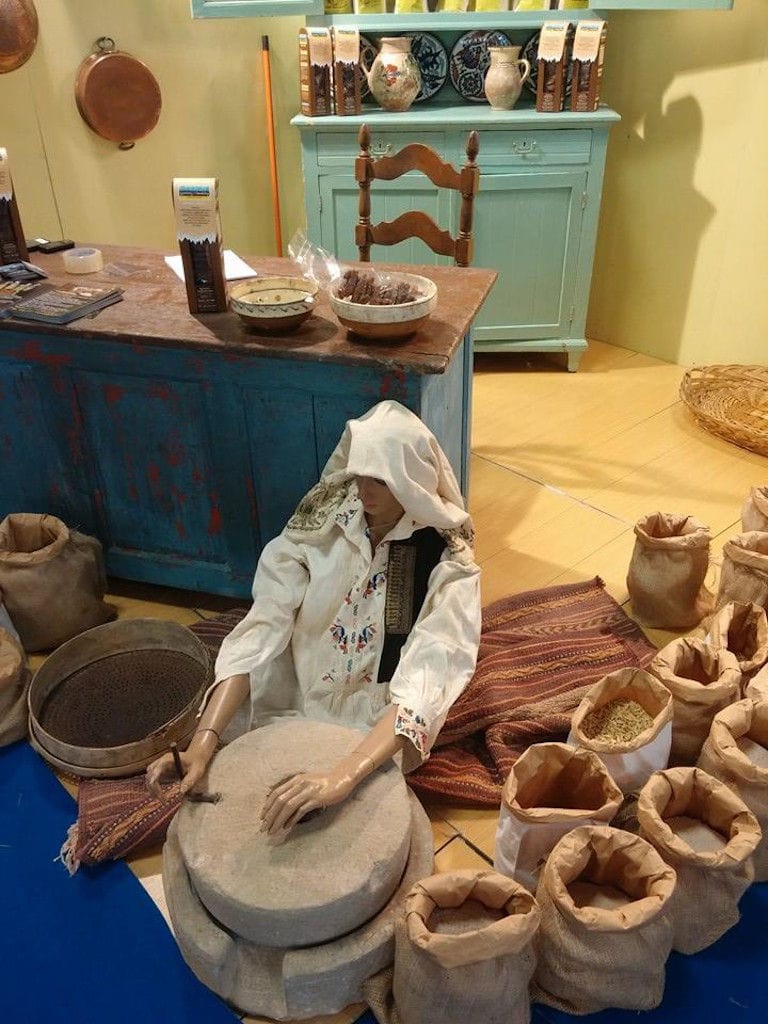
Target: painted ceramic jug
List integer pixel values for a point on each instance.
(394, 78)
(506, 76)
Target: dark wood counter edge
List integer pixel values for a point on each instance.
(159, 296)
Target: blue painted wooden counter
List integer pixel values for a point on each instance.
(184, 442)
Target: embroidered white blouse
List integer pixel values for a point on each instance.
(313, 639)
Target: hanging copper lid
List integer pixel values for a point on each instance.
(18, 33)
(117, 95)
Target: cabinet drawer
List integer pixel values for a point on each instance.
(339, 149)
(534, 148)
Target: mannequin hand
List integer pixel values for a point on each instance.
(194, 764)
(291, 800)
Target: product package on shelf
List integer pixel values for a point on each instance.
(346, 73)
(452, 5)
(553, 58)
(12, 244)
(492, 5)
(198, 230)
(587, 59)
(338, 6)
(315, 63)
(411, 7)
(370, 6)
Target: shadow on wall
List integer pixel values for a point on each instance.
(681, 81)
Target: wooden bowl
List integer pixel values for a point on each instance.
(273, 305)
(385, 323)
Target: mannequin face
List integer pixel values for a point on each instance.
(379, 503)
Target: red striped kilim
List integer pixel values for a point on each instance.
(540, 651)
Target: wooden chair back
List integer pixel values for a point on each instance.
(416, 223)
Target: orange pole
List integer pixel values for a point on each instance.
(271, 143)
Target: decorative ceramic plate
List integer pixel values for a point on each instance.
(368, 51)
(470, 60)
(530, 52)
(432, 58)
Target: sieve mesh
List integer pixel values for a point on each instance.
(122, 698)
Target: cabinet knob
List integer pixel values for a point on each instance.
(381, 148)
(524, 146)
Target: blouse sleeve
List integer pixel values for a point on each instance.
(278, 590)
(438, 659)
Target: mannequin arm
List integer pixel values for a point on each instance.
(292, 800)
(222, 705)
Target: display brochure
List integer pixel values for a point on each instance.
(60, 305)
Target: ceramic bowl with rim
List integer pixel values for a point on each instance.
(377, 323)
(273, 305)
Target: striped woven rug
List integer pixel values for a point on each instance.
(539, 653)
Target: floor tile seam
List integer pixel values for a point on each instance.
(461, 838)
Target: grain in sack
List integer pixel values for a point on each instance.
(744, 573)
(736, 753)
(551, 789)
(702, 681)
(667, 570)
(741, 627)
(464, 951)
(754, 512)
(14, 683)
(757, 687)
(605, 935)
(52, 579)
(626, 719)
(709, 836)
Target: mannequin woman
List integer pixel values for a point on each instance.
(366, 612)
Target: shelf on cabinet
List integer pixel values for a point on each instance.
(471, 115)
(443, 21)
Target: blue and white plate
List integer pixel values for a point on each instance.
(470, 59)
(432, 58)
(367, 53)
(530, 51)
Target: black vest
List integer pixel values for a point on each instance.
(409, 567)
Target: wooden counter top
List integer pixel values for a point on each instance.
(154, 311)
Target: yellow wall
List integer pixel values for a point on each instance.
(682, 256)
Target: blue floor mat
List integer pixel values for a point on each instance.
(91, 949)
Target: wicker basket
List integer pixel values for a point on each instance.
(731, 401)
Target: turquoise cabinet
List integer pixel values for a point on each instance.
(535, 216)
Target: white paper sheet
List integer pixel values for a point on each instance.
(234, 267)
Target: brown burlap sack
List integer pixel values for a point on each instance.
(464, 951)
(741, 628)
(754, 512)
(702, 681)
(744, 574)
(630, 756)
(14, 683)
(52, 580)
(757, 687)
(552, 788)
(605, 934)
(736, 752)
(709, 836)
(667, 570)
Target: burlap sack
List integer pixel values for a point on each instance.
(552, 789)
(605, 934)
(754, 512)
(702, 681)
(741, 628)
(736, 752)
(14, 683)
(5, 620)
(667, 570)
(744, 574)
(676, 810)
(630, 762)
(52, 579)
(464, 951)
(757, 687)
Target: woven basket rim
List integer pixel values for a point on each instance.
(730, 400)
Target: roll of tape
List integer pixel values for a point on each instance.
(83, 261)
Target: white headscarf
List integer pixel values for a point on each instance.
(389, 443)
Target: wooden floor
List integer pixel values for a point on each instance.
(563, 465)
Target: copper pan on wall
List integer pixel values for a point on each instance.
(117, 95)
(18, 33)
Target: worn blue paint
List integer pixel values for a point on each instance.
(185, 463)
